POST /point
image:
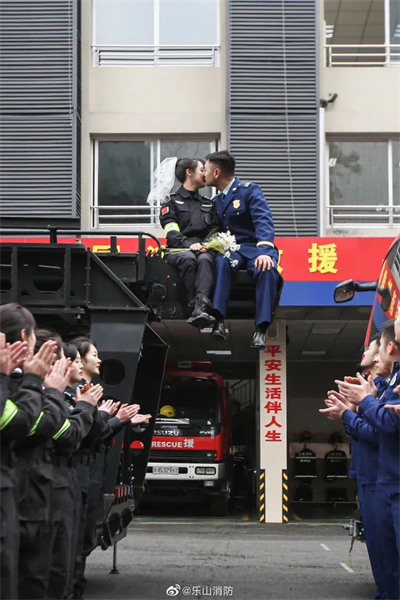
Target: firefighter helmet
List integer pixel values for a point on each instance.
(167, 411)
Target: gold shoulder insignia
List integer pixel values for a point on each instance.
(247, 184)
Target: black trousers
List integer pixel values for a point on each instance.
(74, 587)
(36, 521)
(66, 515)
(197, 271)
(9, 542)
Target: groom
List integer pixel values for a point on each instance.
(242, 209)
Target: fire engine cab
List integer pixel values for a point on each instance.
(190, 455)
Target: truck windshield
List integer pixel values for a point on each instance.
(194, 399)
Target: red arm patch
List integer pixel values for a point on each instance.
(165, 210)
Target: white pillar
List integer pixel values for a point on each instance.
(273, 426)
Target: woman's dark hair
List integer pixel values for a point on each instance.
(186, 163)
(70, 350)
(224, 161)
(83, 344)
(44, 335)
(13, 319)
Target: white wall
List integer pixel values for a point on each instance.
(135, 101)
(368, 99)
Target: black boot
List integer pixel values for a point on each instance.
(258, 342)
(219, 331)
(200, 316)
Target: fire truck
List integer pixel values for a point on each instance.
(190, 456)
(386, 288)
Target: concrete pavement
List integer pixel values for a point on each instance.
(207, 558)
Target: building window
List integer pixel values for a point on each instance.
(123, 178)
(362, 33)
(155, 32)
(364, 183)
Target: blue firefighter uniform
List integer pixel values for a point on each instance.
(387, 516)
(244, 211)
(365, 449)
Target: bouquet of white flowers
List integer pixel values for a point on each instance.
(223, 243)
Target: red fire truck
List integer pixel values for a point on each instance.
(190, 457)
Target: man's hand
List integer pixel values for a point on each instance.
(11, 355)
(350, 379)
(127, 412)
(264, 262)
(335, 409)
(355, 392)
(138, 419)
(395, 408)
(342, 399)
(59, 375)
(41, 362)
(110, 407)
(197, 248)
(92, 394)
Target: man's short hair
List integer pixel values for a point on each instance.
(224, 160)
(186, 163)
(388, 333)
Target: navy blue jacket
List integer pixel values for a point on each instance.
(387, 425)
(365, 446)
(245, 212)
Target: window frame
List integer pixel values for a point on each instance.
(155, 155)
(392, 209)
(156, 54)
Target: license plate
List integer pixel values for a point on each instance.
(166, 470)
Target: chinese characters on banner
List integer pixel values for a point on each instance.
(273, 402)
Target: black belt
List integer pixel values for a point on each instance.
(7, 457)
(39, 452)
(84, 459)
(61, 460)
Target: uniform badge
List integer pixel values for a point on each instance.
(393, 380)
(165, 210)
(236, 204)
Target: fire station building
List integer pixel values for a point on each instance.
(96, 93)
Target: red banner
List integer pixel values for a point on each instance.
(301, 259)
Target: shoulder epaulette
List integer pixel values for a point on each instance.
(246, 185)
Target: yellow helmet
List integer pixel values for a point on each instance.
(167, 411)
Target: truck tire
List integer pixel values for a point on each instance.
(219, 505)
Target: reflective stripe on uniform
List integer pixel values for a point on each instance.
(63, 429)
(171, 227)
(9, 412)
(265, 244)
(32, 431)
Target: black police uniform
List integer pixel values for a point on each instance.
(90, 471)
(189, 218)
(36, 488)
(66, 494)
(19, 411)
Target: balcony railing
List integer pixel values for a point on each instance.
(123, 216)
(362, 216)
(155, 56)
(361, 55)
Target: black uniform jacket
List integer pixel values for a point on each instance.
(188, 219)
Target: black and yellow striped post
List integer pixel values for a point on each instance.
(285, 497)
(261, 496)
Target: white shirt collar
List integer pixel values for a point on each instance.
(228, 187)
